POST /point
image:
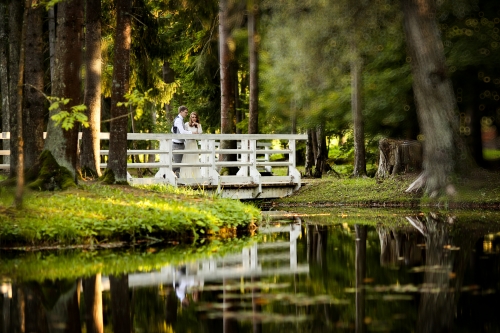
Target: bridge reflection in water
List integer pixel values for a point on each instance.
(250, 262)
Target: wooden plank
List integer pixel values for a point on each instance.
(281, 163)
(233, 164)
(169, 136)
(159, 165)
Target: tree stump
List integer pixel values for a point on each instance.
(398, 156)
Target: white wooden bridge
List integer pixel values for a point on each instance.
(254, 178)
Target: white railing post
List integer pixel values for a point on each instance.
(292, 170)
(214, 174)
(268, 168)
(254, 173)
(243, 171)
(166, 159)
(204, 159)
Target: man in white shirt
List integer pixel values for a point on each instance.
(178, 144)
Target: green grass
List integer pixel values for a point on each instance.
(98, 213)
(480, 189)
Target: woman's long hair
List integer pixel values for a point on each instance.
(191, 121)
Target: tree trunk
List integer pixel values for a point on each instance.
(121, 73)
(34, 104)
(63, 144)
(15, 25)
(321, 155)
(4, 81)
(309, 153)
(253, 55)
(19, 114)
(357, 113)
(434, 97)
(243, 86)
(90, 156)
(225, 59)
(226, 82)
(314, 143)
(52, 46)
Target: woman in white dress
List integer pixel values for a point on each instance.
(194, 126)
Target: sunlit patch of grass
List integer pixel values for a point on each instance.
(100, 213)
(479, 189)
(353, 191)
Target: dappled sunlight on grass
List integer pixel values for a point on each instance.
(94, 213)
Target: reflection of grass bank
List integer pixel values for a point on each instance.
(480, 190)
(96, 213)
(72, 264)
(395, 217)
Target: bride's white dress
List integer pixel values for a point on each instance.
(191, 172)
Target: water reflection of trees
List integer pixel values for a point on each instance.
(431, 247)
(338, 257)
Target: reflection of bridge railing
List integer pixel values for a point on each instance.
(247, 263)
(248, 158)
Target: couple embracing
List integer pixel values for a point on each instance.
(191, 127)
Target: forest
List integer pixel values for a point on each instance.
(356, 71)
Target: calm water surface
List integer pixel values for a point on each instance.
(295, 275)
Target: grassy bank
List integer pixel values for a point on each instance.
(94, 214)
(480, 190)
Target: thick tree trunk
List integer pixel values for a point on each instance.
(357, 114)
(436, 104)
(34, 104)
(121, 74)
(253, 49)
(52, 46)
(4, 81)
(15, 23)
(63, 144)
(226, 80)
(90, 156)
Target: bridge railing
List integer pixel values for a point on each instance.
(253, 152)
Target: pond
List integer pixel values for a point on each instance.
(421, 272)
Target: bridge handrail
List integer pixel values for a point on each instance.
(251, 155)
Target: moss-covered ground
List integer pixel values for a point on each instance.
(480, 190)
